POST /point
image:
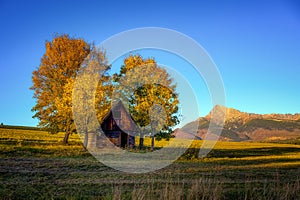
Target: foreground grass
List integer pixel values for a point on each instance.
(36, 165)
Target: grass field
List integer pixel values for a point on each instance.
(36, 165)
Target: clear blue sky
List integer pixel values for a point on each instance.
(255, 44)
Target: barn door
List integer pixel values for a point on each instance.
(124, 140)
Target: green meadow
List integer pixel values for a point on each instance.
(36, 165)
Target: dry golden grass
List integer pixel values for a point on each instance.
(36, 165)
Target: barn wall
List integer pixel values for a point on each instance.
(123, 124)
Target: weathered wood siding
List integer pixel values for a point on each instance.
(116, 126)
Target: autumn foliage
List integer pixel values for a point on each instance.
(150, 93)
(53, 79)
(151, 98)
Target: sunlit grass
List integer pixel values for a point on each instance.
(238, 155)
(15, 142)
(35, 161)
(15, 134)
(252, 154)
(217, 144)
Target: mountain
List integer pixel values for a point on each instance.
(243, 126)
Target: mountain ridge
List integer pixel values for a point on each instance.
(232, 113)
(241, 126)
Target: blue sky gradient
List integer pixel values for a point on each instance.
(255, 44)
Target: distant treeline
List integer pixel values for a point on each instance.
(22, 127)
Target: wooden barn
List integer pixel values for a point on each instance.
(118, 126)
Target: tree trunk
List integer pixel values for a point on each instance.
(66, 138)
(152, 136)
(85, 140)
(152, 142)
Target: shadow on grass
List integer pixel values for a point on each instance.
(236, 153)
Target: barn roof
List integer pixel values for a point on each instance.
(119, 103)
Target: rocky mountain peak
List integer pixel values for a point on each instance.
(230, 113)
(240, 126)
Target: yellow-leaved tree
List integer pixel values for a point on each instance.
(92, 94)
(53, 82)
(150, 95)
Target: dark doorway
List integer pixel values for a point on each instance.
(124, 139)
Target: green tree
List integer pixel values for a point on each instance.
(150, 93)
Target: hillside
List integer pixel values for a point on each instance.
(242, 126)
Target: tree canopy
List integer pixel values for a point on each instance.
(67, 67)
(53, 81)
(150, 95)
